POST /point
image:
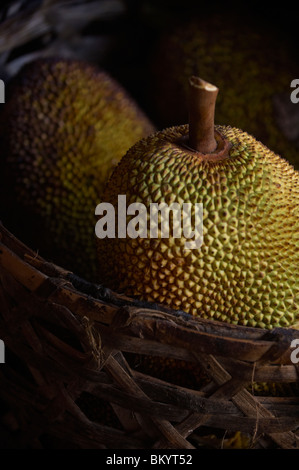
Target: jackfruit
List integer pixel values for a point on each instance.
(64, 127)
(253, 63)
(246, 270)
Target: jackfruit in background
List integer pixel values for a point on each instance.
(64, 127)
(253, 61)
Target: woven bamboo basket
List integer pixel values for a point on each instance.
(70, 377)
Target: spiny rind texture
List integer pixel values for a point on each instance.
(246, 271)
(65, 126)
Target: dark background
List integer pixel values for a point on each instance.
(129, 37)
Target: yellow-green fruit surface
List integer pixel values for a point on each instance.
(246, 271)
(253, 66)
(64, 127)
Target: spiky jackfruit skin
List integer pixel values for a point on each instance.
(64, 127)
(253, 64)
(246, 271)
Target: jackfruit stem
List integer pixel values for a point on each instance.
(202, 100)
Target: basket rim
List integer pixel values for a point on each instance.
(142, 320)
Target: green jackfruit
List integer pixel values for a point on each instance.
(64, 127)
(252, 63)
(246, 271)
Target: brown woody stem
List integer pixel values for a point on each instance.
(202, 100)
